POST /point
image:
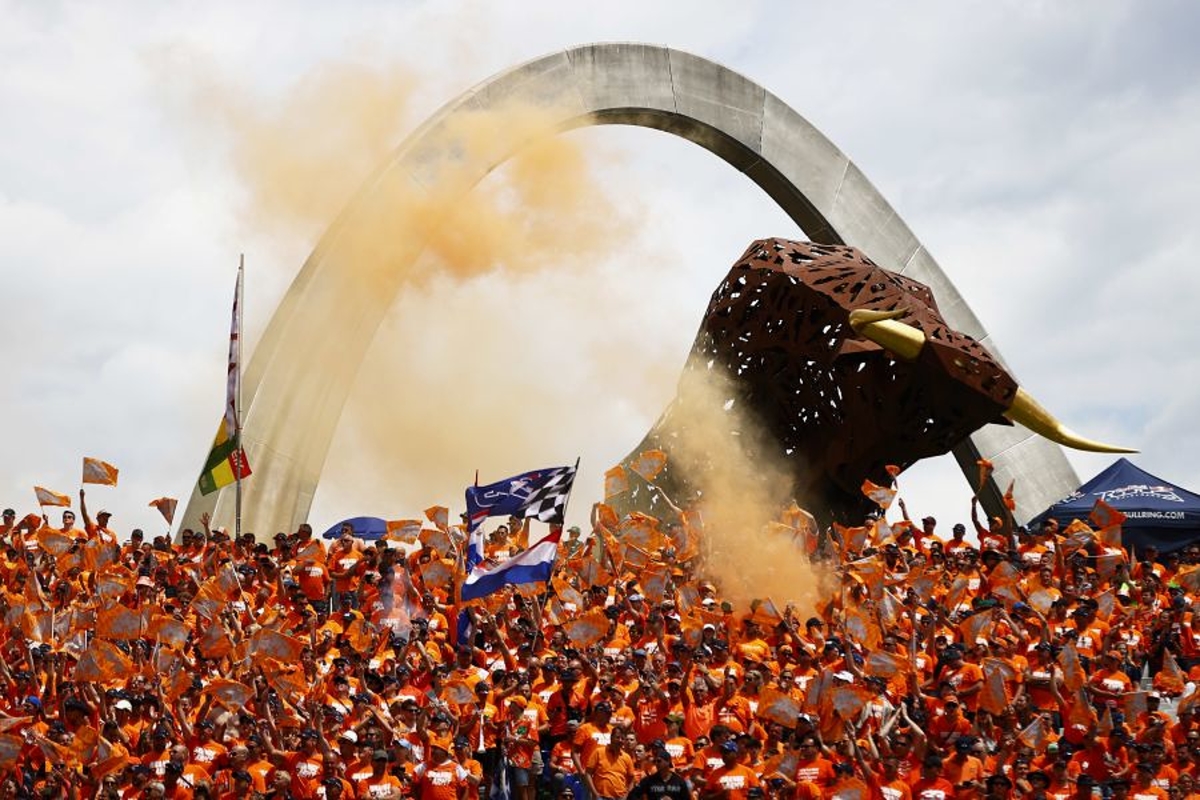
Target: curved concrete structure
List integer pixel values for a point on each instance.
(291, 411)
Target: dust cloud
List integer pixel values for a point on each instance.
(722, 452)
(524, 330)
(514, 341)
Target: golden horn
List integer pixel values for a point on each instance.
(1033, 415)
(882, 329)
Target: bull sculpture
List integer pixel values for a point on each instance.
(846, 368)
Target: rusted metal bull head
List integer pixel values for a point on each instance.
(848, 368)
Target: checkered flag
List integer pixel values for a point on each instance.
(540, 494)
(547, 502)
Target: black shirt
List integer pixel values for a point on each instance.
(653, 787)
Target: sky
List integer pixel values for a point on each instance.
(1045, 154)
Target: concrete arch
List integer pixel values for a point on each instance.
(291, 412)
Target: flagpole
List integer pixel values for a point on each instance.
(237, 409)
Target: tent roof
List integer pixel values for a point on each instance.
(1146, 500)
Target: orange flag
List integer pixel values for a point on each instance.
(852, 538)
(566, 592)
(360, 636)
(648, 464)
(83, 744)
(1189, 578)
(1010, 502)
(882, 664)
(166, 507)
(1081, 714)
(616, 482)
(1134, 704)
(994, 696)
(957, 593)
(882, 496)
(765, 613)
(8, 723)
(641, 531)
(231, 694)
(985, 472)
(403, 530)
(45, 497)
(10, 750)
(437, 573)
(1073, 675)
(654, 583)
(775, 706)
(266, 643)
(109, 758)
(1171, 678)
(1105, 725)
(458, 692)
(439, 516)
(214, 641)
(589, 629)
(848, 700)
(288, 680)
(1103, 515)
(169, 631)
(607, 517)
(97, 471)
(862, 628)
(1042, 599)
(1036, 735)
(975, 627)
(178, 682)
(102, 662)
(437, 540)
(783, 765)
(120, 623)
(54, 542)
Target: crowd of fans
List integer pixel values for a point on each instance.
(1012, 664)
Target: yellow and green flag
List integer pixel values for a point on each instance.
(227, 460)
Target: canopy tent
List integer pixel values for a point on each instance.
(1158, 512)
(369, 528)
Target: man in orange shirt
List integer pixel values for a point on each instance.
(441, 778)
(609, 771)
(965, 677)
(732, 781)
(592, 735)
(931, 785)
(1109, 682)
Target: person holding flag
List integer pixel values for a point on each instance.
(540, 494)
(99, 528)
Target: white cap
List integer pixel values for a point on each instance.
(349, 736)
(844, 675)
(124, 705)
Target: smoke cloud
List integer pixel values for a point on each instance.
(516, 339)
(722, 452)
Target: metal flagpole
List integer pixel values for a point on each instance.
(237, 409)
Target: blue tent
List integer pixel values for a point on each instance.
(369, 528)
(1159, 512)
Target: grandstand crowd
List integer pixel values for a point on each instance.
(1008, 663)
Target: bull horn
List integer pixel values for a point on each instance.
(1033, 415)
(882, 329)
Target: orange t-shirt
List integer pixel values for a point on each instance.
(612, 773)
(437, 783)
(736, 781)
